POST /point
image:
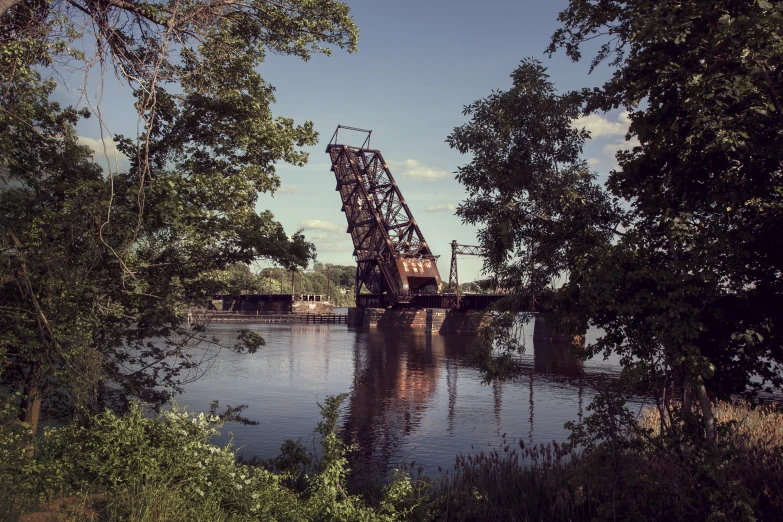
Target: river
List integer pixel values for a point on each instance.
(412, 395)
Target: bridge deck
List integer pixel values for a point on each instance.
(448, 301)
(217, 317)
(282, 298)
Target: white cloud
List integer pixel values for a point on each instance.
(103, 149)
(440, 208)
(593, 162)
(327, 236)
(317, 224)
(289, 189)
(610, 149)
(413, 169)
(600, 127)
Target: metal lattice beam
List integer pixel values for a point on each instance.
(393, 258)
(464, 250)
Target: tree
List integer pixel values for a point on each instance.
(702, 84)
(679, 261)
(95, 264)
(537, 199)
(544, 218)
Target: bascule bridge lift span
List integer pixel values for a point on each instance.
(395, 264)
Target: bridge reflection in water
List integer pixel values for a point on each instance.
(409, 390)
(412, 395)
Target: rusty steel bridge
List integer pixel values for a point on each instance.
(395, 265)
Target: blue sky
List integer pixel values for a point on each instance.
(418, 64)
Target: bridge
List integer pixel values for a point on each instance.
(397, 280)
(395, 265)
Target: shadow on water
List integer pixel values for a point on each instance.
(409, 386)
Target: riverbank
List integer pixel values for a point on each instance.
(142, 469)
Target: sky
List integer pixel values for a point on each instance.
(419, 63)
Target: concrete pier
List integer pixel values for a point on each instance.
(445, 321)
(437, 320)
(546, 331)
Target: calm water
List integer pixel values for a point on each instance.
(412, 396)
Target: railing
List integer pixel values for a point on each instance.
(236, 317)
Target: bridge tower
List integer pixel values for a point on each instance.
(463, 250)
(394, 261)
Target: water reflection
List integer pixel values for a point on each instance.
(556, 359)
(395, 378)
(395, 392)
(412, 395)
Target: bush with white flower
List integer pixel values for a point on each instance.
(166, 468)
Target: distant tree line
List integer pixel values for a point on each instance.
(337, 281)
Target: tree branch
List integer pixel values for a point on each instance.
(5, 5)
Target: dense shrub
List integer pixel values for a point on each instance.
(511, 483)
(134, 467)
(165, 468)
(626, 469)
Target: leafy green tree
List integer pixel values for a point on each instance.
(537, 199)
(544, 218)
(95, 264)
(702, 84)
(678, 258)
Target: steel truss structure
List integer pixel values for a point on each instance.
(463, 250)
(394, 261)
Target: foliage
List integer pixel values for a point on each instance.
(166, 468)
(752, 438)
(512, 483)
(135, 467)
(701, 84)
(545, 219)
(637, 467)
(624, 470)
(541, 210)
(15, 442)
(336, 280)
(96, 264)
(677, 258)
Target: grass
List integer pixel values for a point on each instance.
(751, 443)
(512, 482)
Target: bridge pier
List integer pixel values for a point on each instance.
(445, 320)
(547, 331)
(436, 320)
(355, 316)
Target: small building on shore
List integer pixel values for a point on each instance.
(280, 303)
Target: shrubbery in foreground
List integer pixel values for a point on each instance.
(626, 469)
(165, 468)
(137, 468)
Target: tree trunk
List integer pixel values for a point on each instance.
(30, 411)
(5, 5)
(706, 411)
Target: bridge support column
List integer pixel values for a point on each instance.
(546, 330)
(435, 319)
(355, 317)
